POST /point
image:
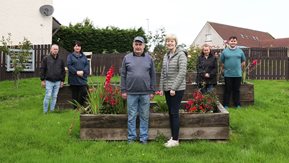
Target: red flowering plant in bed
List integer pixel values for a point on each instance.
(249, 68)
(113, 102)
(202, 103)
(105, 98)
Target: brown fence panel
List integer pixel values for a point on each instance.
(281, 54)
(277, 52)
(273, 63)
(272, 69)
(246, 52)
(287, 69)
(3, 74)
(39, 52)
(265, 67)
(100, 63)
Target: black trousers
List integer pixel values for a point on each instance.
(79, 94)
(232, 86)
(174, 104)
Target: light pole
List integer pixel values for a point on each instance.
(148, 24)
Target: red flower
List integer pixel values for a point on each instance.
(106, 98)
(254, 62)
(112, 95)
(109, 75)
(193, 109)
(158, 92)
(189, 104)
(202, 103)
(251, 66)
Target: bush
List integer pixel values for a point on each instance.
(96, 40)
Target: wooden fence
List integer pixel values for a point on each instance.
(39, 51)
(102, 62)
(273, 63)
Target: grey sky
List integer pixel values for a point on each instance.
(185, 18)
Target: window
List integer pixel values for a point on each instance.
(29, 64)
(208, 38)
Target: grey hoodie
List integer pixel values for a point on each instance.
(138, 74)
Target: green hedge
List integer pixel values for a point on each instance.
(97, 40)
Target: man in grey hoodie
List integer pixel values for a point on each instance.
(138, 87)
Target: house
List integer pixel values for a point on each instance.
(216, 35)
(26, 19)
(281, 42)
(30, 19)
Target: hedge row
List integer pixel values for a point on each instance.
(96, 40)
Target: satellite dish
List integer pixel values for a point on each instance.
(46, 10)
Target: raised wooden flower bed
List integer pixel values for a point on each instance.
(192, 126)
(246, 94)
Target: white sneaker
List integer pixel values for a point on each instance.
(172, 143)
(168, 141)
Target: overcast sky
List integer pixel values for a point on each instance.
(184, 18)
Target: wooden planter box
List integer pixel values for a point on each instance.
(192, 126)
(246, 94)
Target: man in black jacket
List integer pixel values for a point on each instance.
(52, 76)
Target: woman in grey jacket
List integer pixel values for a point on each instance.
(173, 84)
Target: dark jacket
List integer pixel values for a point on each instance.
(52, 69)
(204, 66)
(77, 63)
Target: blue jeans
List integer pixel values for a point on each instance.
(52, 89)
(138, 104)
(208, 88)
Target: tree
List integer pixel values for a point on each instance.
(193, 53)
(156, 41)
(18, 58)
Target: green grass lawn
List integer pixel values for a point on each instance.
(259, 133)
